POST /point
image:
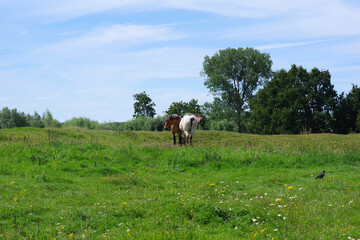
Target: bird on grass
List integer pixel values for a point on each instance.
(321, 175)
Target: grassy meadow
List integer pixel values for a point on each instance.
(80, 184)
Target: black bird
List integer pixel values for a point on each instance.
(321, 175)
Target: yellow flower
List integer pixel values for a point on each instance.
(291, 187)
(222, 191)
(212, 184)
(263, 230)
(124, 203)
(278, 199)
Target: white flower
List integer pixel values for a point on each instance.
(275, 229)
(279, 215)
(254, 220)
(235, 228)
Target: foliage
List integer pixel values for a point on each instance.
(347, 112)
(181, 108)
(223, 125)
(144, 124)
(11, 118)
(85, 184)
(143, 106)
(48, 120)
(292, 101)
(233, 75)
(82, 122)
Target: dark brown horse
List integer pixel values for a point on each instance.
(173, 122)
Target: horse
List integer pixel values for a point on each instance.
(199, 118)
(174, 121)
(188, 125)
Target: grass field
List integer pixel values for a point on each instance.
(82, 184)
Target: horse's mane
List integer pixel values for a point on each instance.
(175, 116)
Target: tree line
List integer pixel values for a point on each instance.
(10, 118)
(248, 97)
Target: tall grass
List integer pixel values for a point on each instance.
(101, 184)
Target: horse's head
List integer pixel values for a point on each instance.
(168, 121)
(173, 119)
(199, 118)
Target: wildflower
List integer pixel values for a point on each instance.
(291, 187)
(212, 184)
(254, 220)
(235, 227)
(275, 229)
(278, 199)
(279, 215)
(263, 230)
(222, 191)
(124, 203)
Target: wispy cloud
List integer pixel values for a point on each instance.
(121, 35)
(286, 45)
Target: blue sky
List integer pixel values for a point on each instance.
(88, 58)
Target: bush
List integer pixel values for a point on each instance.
(223, 125)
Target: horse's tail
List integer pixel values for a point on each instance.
(191, 121)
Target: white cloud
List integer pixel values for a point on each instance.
(285, 45)
(121, 35)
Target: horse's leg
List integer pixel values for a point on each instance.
(174, 139)
(191, 140)
(180, 140)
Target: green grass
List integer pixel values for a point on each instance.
(82, 184)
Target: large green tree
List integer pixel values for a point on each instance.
(347, 114)
(182, 107)
(233, 75)
(143, 106)
(294, 101)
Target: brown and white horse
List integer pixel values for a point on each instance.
(173, 121)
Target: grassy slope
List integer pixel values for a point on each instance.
(75, 183)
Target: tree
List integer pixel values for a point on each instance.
(181, 108)
(143, 105)
(294, 101)
(233, 75)
(35, 121)
(348, 111)
(48, 120)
